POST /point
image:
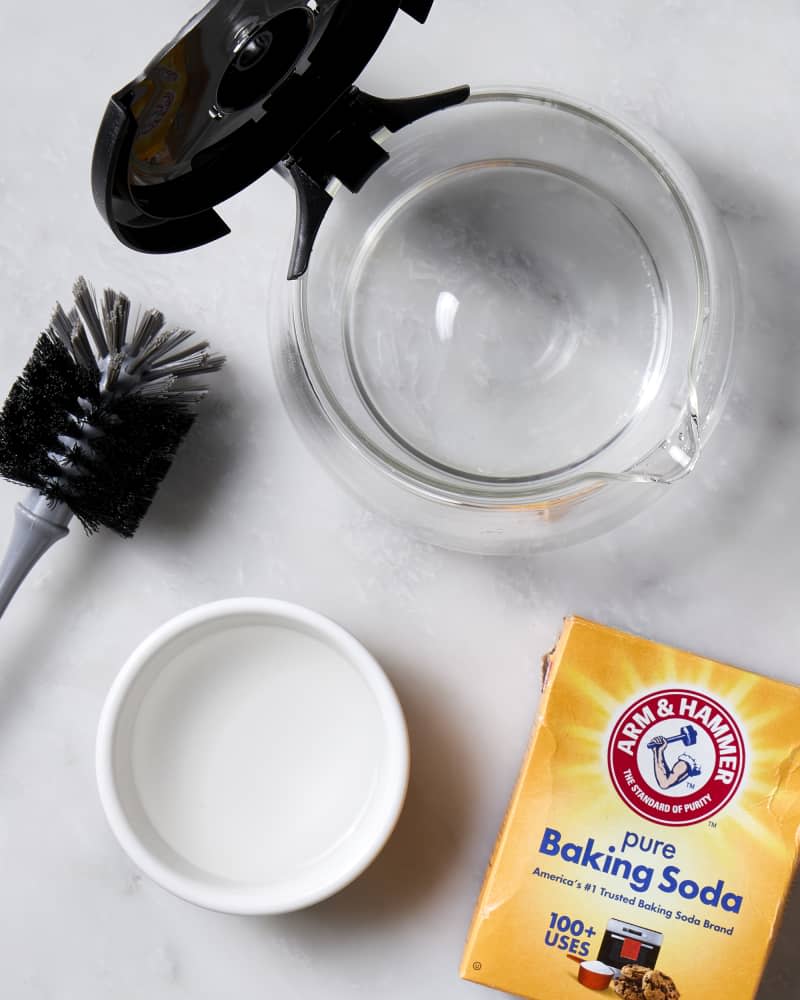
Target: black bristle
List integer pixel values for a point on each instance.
(130, 461)
(131, 457)
(95, 424)
(36, 409)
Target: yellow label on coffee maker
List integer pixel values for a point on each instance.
(653, 832)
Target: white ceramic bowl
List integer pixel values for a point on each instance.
(252, 757)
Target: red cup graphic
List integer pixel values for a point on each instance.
(595, 975)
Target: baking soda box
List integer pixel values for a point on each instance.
(653, 833)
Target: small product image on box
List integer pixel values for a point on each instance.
(626, 944)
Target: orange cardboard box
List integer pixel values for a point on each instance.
(653, 833)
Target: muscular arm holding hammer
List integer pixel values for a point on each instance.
(666, 776)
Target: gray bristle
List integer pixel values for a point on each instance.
(116, 310)
(196, 363)
(112, 373)
(168, 358)
(186, 397)
(157, 389)
(156, 363)
(167, 342)
(123, 312)
(107, 309)
(147, 328)
(60, 328)
(151, 350)
(81, 348)
(87, 307)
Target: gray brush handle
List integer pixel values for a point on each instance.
(37, 524)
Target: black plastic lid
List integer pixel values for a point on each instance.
(245, 86)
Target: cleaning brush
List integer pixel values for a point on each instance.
(94, 421)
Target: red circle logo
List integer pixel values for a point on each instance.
(676, 757)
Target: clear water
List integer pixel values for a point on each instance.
(505, 321)
(255, 752)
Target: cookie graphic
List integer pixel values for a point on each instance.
(629, 986)
(658, 986)
(634, 972)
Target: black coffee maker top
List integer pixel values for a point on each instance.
(244, 87)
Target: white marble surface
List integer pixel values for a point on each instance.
(246, 511)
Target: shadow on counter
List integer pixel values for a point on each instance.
(424, 850)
